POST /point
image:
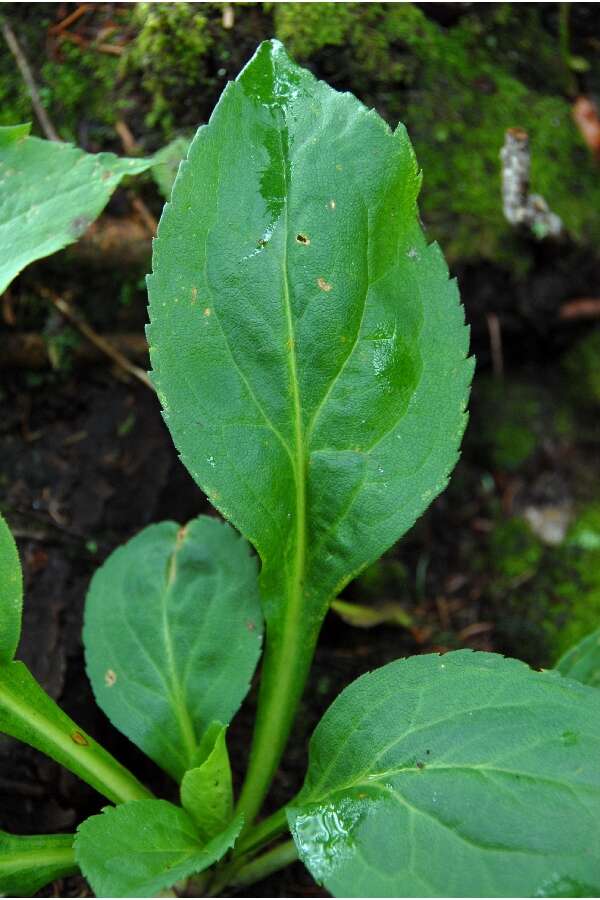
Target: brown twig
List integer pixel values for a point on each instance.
(582, 308)
(495, 333)
(15, 49)
(29, 350)
(101, 343)
(144, 213)
(66, 310)
(70, 19)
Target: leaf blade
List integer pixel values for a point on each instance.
(467, 758)
(172, 634)
(143, 847)
(70, 186)
(207, 790)
(11, 594)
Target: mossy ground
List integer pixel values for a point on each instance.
(457, 84)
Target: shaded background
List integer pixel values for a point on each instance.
(508, 559)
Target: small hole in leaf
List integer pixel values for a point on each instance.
(303, 239)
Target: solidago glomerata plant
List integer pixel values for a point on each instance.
(310, 355)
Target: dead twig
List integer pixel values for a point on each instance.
(582, 308)
(29, 350)
(495, 333)
(67, 311)
(15, 49)
(144, 213)
(70, 19)
(101, 343)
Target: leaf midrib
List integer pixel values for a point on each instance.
(294, 592)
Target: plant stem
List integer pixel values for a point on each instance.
(285, 670)
(265, 865)
(263, 833)
(28, 714)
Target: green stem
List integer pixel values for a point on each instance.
(285, 670)
(265, 865)
(28, 714)
(14, 863)
(263, 833)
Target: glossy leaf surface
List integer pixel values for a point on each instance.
(582, 661)
(307, 345)
(28, 863)
(172, 635)
(28, 714)
(50, 193)
(11, 594)
(461, 775)
(206, 790)
(141, 848)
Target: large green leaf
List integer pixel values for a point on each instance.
(141, 848)
(582, 661)
(206, 790)
(463, 775)
(172, 635)
(11, 594)
(28, 714)
(49, 194)
(308, 347)
(28, 863)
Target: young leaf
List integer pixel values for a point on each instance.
(49, 194)
(459, 776)
(28, 714)
(166, 163)
(141, 848)
(582, 661)
(172, 635)
(11, 594)
(308, 347)
(206, 790)
(28, 863)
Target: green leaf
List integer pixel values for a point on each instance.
(28, 863)
(166, 163)
(28, 714)
(206, 790)
(582, 662)
(141, 848)
(172, 635)
(11, 594)
(307, 345)
(463, 775)
(49, 194)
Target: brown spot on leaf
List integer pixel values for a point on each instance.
(250, 626)
(303, 239)
(207, 311)
(324, 285)
(110, 677)
(194, 294)
(78, 738)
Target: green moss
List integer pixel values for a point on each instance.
(169, 55)
(549, 596)
(508, 421)
(581, 365)
(458, 90)
(515, 551)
